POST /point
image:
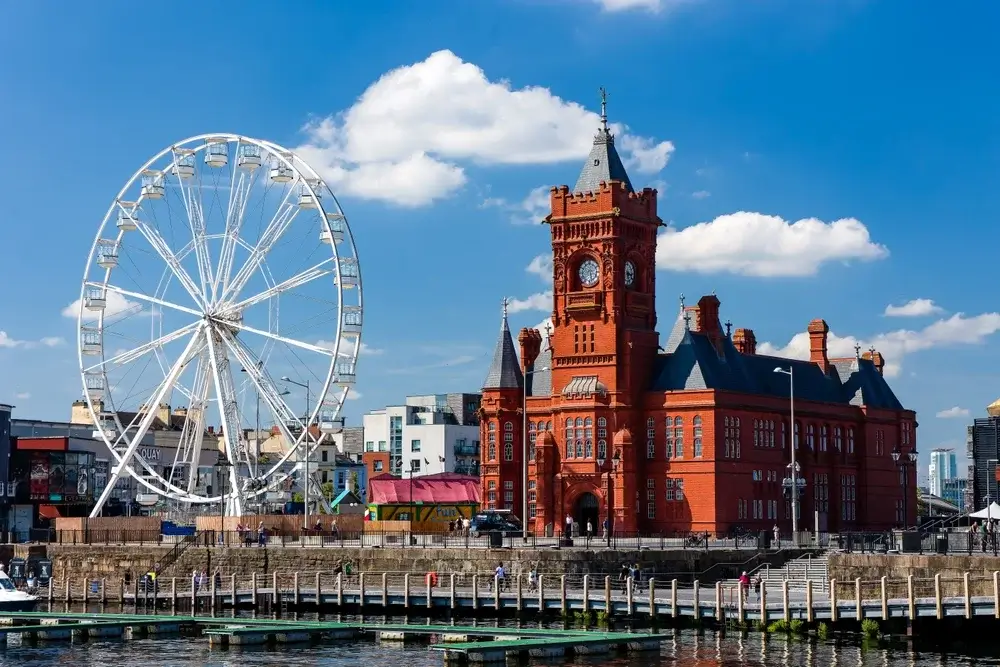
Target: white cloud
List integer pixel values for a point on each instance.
(406, 138)
(896, 345)
(115, 305)
(754, 244)
(23, 396)
(654, 6)
(536, 301)
(541, 266)
(701, 194)
(953, 413)
(353, 394)
(347, 347)
(530, 210)
(547, 322)
(48, 341)
(914, 308)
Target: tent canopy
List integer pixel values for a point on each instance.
(991, 512)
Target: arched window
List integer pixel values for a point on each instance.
(492, 451)
(823, 432)
(491, 442)
(668, 433)
(579, 422)
(509, 426)
(850, 439)
(532, 439)
(602, 427)
(838, 438)
(678, 437)
(508, 451)
(588, 422)
(569, 438)
(579, 449)
(651, 438)
(696, 423)
(588, 446)
(797, 434)
(810, 436)
(602, 450)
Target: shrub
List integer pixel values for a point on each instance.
(870, 628)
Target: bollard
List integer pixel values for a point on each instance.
(340, 589)
(317, 586)
(586, 593)
(784, 602)
(859, 612)
(885, 598)
(232, 589)
(541, 595)
(696, 601)
(296, 595)
(652, 597)
(253, 590)
(674, 611)
(562, 595)
(608, 607)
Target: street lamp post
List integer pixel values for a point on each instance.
(615, 460)
(524, 457)
(791, 445)
(222, 466)
(903, 462)
(305, 471)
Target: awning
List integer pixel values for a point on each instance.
(584, 385)
(49, 512)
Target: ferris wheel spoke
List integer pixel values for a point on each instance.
(275, 229)
(280, 339)
(295, 281)
(192, 436)
(145, 297)
(147, 420)
(196, 223)
(135, 353)
(238, 198)
(167, 255)
(228, 411)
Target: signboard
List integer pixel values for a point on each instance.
(17, 569)
(151, 454)
(61, 476)
(42, 569)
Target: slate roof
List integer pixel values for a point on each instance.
(690, 361)
(603, 164)
(505, 370)
(540, 381)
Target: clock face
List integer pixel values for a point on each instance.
(589, 272)
(629, 274)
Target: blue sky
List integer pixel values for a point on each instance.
(436, 124)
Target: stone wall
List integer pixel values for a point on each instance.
(896, 568)
(108, 562)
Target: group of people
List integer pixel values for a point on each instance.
(460, 525)
(745, 584)
(588, 527)
(247, 534)
(987, 533)
(200, 579)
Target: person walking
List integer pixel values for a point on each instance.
(777, 536)
(590, 529)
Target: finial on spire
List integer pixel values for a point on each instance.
(687, 320)
(506, 301)
(857, 350)
(729, 328)
(604, 108)
(548, 336)
(682, 301)
(872, 350)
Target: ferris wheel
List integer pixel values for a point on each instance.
(222, 295)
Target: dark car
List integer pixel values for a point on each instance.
(504, 523)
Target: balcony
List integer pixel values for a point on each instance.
(466, 450)
(583, 301)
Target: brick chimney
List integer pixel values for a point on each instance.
(744, 341)
(708, 309)
(877, 360)
(531, 345)
(818, 330)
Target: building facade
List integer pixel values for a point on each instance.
(954, 491)
(685, 434)
(983, 450)
(943, 466)
(426, 435)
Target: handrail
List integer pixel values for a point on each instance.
(174, 554)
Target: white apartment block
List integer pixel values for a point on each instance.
(427, 434)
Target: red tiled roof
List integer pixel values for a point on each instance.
(443, 487)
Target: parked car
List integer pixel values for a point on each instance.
(496, 521)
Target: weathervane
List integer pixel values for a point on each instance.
(682, 301)
(505, 302)
(729, 327)
(687, 319)
(857, 350)
(604, 108)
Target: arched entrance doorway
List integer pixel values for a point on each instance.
(587, 509)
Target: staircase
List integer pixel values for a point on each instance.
(800, 570)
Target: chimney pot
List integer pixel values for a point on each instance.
(818, 330)
(745, 341)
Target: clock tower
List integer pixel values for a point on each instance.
(603, 236)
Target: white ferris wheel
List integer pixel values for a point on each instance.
(224, 281)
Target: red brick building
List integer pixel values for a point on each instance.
(698, 422)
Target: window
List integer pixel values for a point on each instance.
(810, 436)
(414, 445)
(838, 438)
(756, 433)
(602, 449)
(821, 492)
(670, 490)
(731, 437)
(323, 456)
(822, 437)
(757, 475)
(382, 446)
(491, 442)
(415, 465)
(532, 438)
(377, 466)
(370, 446)
(491, 494)
(569, 438)
(741, 509)
(696, 423)
(798, 434)
(679, 488)
(508, 451)
(651, 490)
(850, 439)
(879, 442)
(907, 433)
(650, 438)
(669, 437)
(848, 497)
(532, 499)
(602, 427)
(579, 437)
(588, 448)
(675, 489)
(784, 434)
(650, 510)
(678, 438)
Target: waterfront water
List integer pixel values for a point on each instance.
(684, 649)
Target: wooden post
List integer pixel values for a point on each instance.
(318, 586)
(810, 616)
(541, 594)
(859, 611)
(275, 593)
(104, 591)
(586, 593)
(520, 599)
(885, 598)
(253, 590)
(475, 591)
(834, 609)
(996, 594)
(785, 608)
(67, 586)
(740, 611)
(135, 591)
(911, 602)
(173, 593)
(194, 598)
(608, 607)
(938, 603)
(652, 598)
(763, 602)
(86, 591)
(968, 596)
(340, 589)
(674, 612)
(406, 591)
(361, 590)
(52, 589)
(718, 602)
(451, 592)
(696, 599)
(297, 593)
(214, 593)
(385, 591)
(562, 595)
(232, 589)
(629, 599)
